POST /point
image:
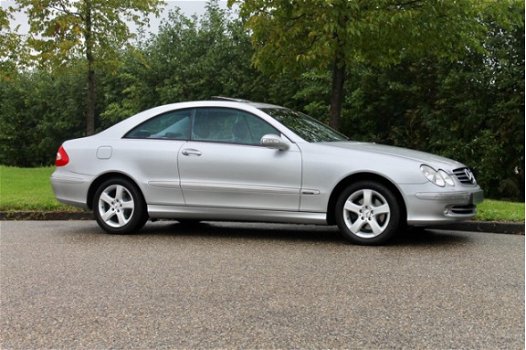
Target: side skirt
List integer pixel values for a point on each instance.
(235, 214)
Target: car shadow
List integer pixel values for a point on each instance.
(254, 231)
(429, 237)
(291, 232)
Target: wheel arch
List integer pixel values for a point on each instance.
(364, 176)
(106, 176)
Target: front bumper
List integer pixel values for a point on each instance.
(428, 206)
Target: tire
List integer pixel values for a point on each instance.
(368, 213)
(119, 207)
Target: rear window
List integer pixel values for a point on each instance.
(173, 125)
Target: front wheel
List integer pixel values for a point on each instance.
(119, 206)
(367, 212)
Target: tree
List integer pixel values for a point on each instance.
(471, 109)
(188, 59)
(95, 29)
(38, 111)
(313, 34)
(11, 51)
(7, 38)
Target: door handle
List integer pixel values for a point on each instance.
(191, 152)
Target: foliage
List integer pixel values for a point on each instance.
(11, 50)
(471, 110)
(301, 35)
(37, 112)
(189, 59)
(317, 34)
(62, 30)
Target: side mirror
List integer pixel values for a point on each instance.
(274, 142)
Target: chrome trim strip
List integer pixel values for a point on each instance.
(308, 191)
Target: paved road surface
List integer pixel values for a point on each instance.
(225, 285)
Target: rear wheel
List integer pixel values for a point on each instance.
(119, 207)
(367, 212)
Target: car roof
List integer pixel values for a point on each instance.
(258, 105)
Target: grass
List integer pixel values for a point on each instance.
(29, 189)
(492, 210)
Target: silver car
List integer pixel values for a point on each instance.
(242, 161)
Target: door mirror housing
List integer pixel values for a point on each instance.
(274, 142)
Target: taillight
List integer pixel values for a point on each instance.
(62, 157)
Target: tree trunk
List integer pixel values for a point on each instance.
(338, 79)
(90, 101)
(91, 97)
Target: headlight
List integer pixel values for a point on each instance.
(446, 178)
(433, 176)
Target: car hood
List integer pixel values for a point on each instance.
(418, 156)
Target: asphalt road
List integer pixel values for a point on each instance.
(225, 285)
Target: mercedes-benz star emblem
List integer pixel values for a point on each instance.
(469, 175)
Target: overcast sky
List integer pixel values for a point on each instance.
(188, 7)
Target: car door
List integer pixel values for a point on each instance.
(150, 151)
(224, 166)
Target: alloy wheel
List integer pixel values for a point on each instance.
(116, 206)
(366, 213)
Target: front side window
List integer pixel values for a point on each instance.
(230, 126)
(173, 125)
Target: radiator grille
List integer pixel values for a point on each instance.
(465, 176)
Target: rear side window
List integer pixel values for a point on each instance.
(173, 125)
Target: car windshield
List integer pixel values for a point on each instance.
(304, 126)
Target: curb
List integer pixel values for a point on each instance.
(45, 215)
(510, 228)
(473, 226)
